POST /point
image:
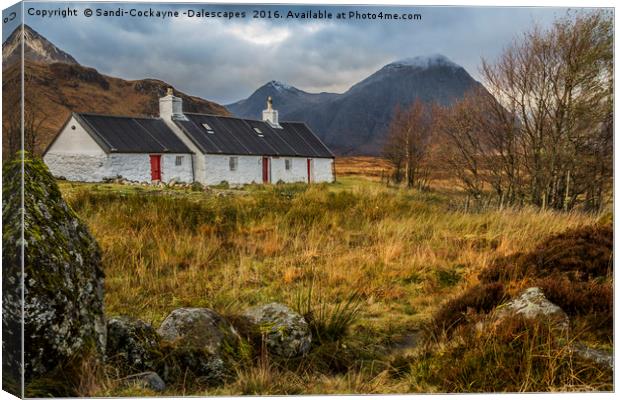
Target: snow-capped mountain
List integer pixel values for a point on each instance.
(435, 60)
(36, 48)
(356, 121)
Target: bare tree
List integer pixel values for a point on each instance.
(542, 130)
(408, 143)
(34, 116)
(558, 83)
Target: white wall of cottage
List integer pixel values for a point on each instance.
(75, 156)
(250, 169)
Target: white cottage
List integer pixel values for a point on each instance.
(188, 147)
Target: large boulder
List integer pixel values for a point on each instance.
(63, 277)
(133, 345)
(198, 341)
(285, 332)
(532, 304)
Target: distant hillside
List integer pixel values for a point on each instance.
(356, 121)
(58, 89)
(55, 89)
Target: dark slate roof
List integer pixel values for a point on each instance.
(131, 134)
(232, 135)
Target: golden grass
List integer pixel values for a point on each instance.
(366, 166)
(404, 251)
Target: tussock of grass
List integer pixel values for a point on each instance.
(328, 322)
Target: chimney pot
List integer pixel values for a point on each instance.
(171, 107)
(270, 115)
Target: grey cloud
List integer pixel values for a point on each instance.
(224, 61)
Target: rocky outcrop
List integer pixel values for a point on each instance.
(198, 340)
(133, 345)
(63, 278)
(285, 332)
(532, 304)
(78, 73)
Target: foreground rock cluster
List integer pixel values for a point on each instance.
(64, 321)
(201, 342)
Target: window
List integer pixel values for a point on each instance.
(257, 130)
(287, 164)
(208, 128)
(232, 163)
(179, 160)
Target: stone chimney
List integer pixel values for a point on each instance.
(270, 115)
(171, 107)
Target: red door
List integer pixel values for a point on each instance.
(156, 168)
(265, 169)
(309, 170)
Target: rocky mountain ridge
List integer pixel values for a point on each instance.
(36, 48)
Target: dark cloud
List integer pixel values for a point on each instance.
(226, 60)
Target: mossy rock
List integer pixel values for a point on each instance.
(132, 345)
(284, 332)
(198, 342)
(63, 276)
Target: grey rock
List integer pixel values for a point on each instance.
(148, 380)
(132, 344)
(63, 276)
(599, 357)
(532, 304)
(286, 333)
(200, 340)
(197, 328)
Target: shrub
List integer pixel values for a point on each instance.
(580, 255)
(578, 297)
(481, 298)
(573, 270)
(591, 299)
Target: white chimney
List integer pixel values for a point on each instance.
(171, 107)
(270, 115)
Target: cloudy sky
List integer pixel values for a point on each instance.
(226, 60)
